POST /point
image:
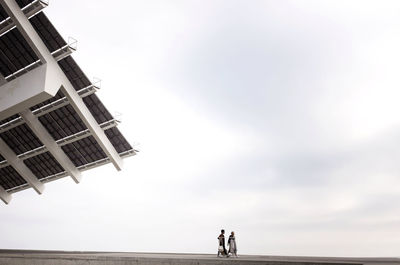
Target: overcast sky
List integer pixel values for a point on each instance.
(279, 120)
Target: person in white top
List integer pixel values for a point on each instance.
(232, 244)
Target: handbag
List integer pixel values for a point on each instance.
(220, 248)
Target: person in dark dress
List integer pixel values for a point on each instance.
(221, 246)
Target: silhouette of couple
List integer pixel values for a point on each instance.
(231, 243)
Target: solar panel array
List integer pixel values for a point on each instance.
(58, 117)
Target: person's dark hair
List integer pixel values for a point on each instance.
(222, 231)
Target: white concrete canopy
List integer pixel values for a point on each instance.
(49, 116)
(70, 93)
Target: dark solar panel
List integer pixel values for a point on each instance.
(74, 73)
(21, 139)
(47, 32)
(3, 14)
(9, 178)
(23, 3)
(43, 165)
(15, 52)
(98, 110)
(79, 81)
(118, 140)
(62, 122)
(9, 119)
(84, 151)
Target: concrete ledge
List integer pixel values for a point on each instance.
(31, 257)
(27, 90)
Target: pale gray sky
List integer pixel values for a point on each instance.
(276, 119)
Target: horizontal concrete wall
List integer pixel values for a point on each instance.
(13, 257)
(145, 261)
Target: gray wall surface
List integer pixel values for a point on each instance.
(26, 257)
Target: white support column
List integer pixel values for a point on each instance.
(20, 167)
(4, 195)
(51, 144)
(70, 93)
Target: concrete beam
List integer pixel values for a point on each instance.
(4, 195)
(50, 144)
(69, 91)
(2, 80)
(20, 167)
(28, 90)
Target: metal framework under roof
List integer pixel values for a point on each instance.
(52, 124)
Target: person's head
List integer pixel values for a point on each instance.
(222, 231)
(232, 233)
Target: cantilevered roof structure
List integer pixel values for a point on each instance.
(52, 124)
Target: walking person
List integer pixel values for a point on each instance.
(232, 244)
(221, 246)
